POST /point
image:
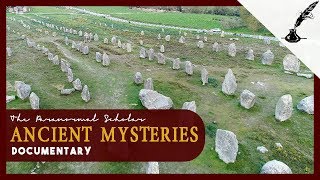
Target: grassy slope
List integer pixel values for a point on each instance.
(200, 21)
(112, 87)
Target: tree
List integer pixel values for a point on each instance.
(250, 21)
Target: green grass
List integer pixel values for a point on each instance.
(199, 21)
(112, 87)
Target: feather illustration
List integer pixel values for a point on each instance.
(306, 14)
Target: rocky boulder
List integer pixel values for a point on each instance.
(275, 167)
(226, 146)
(307, 105)
(151, 99)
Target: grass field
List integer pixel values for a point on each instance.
(113, 87)
(190, 20)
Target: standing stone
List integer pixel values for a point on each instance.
(247, 99)
(176, 64)
(119, 43)
(226, 146)
(190, 106)
(151, 54)
(222, 34)
(229, 85)
(129, 47)
(96, 37)
(98, 57)
(23, 90)
(307, 105)
(204, 76)
(152, 168)
(85, 94)
(142, 53)
(197, 37)
(215, 47)
(38, 47)
(138, 78)
(34, 101)
(267, 58)
(124, 46)
(232, 50)
(80, 33)
(161, 58)
(167, 38)
(70, 75)
(162, 48)
(188, 68)
(291, 63)
(205, 38)
(200, 44)
(184, 34)
(9, 52)
(90, 37)
(64, 65)
(86, 37)
(151, 99)
(267, 41)
(148, 84)
(77, 84)
(45, 50)
(275, 167)
(141, 42)
(66, 40)
(142, 33)
(85, 50)
(73, 45)
(67, 91)
(105, 59)
(159, 36)
(114, 40)
(105, 41)
(50, 56)
(250, 55)
(182, 40)
(55, 60)
(284, 108)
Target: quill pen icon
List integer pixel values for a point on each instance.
(306, 14)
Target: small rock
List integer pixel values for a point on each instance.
(152, 168)
(279, 145)
(262, 149)
(67, 91)
(10, 98)
(190, 106)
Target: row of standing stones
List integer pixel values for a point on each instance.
(24, 90)
(226, 142)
